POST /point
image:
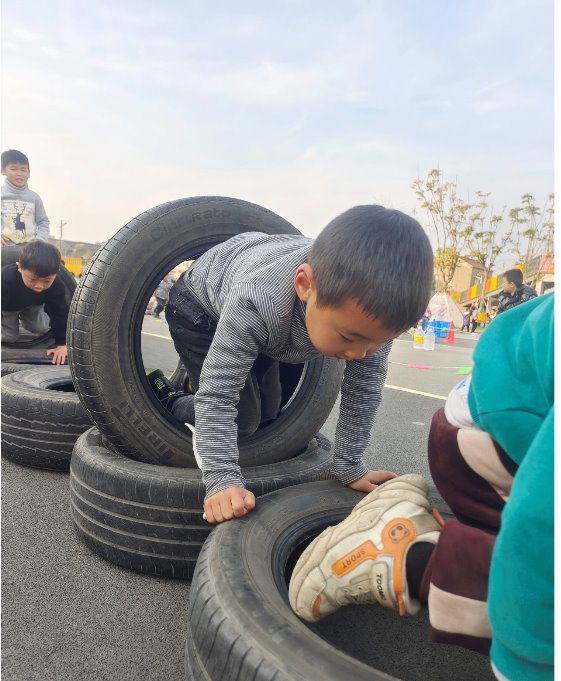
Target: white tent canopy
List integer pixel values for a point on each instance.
(444, 308)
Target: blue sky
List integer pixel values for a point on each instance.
(307, 108)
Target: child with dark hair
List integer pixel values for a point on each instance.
(515, 291)
(487, 577)
(33, 293)
(23, 213)
(258, 299)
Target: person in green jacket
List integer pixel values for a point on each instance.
(486, 576)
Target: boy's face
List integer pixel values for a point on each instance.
(16, 173)
(345, 331)
(35, 282)
(509, 287)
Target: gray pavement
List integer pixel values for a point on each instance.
(67, 614)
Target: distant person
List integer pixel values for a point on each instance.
(466, 319)
(473, 316)
(515, 291)
(487, 577)
(23, 213)
(161, 294)
(33, 293)
(259, 299)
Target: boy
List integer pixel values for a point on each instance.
(515, 291)
(23, 213)
(257, 299)
(488, 574)
(32, 292)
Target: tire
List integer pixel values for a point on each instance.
(148, 518)
(11, 368)
(31, 354)
(20, 363)
(104, 336)
(240, 624)
(11, 254)
(42, 417)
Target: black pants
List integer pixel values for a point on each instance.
(192, 331)
(160, 304)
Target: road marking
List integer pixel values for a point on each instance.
(392, 387)
(415, 392)
(156, 335)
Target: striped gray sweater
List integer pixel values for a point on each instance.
(247, 285)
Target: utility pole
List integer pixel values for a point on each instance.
(60, 238)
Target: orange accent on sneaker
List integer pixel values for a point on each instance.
(315, 607)
(396, 537)
(438, 517)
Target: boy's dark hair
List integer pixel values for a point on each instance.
(14, 156)
(40, 257)
(378, 256)
(514, 276)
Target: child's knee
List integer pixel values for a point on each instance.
(249, 424)
(39, 325)
(10, 335)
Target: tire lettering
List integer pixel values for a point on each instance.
(124, 413)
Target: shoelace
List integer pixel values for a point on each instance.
(358, 595)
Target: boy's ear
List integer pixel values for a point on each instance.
(304, 281)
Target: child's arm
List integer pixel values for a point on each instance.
(41, 220)
(232, 502)
(361, 393)
(371, 480)
(57, 309)
(240, 335)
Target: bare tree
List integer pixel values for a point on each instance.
(484, 241)
(447, 215)
(533, 230)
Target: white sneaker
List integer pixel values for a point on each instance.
(362, 559)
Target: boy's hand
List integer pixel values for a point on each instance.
(59, 354)
(371, 480)
(232, 502)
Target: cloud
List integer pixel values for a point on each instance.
(26, 35)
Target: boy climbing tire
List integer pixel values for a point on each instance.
(104, 336)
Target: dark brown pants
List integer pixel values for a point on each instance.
(473, 475)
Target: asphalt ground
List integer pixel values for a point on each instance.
(68, 614)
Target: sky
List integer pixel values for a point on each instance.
(304, 107)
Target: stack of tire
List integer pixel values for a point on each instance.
(136, 491)
(42, 416)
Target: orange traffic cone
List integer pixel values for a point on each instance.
(450, 338)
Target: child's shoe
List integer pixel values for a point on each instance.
(165, 393)
(362, 559)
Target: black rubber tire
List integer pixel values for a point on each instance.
(11, 254)
(104, 336)
(240, 624)
(42, 417)
(148, 518)
(20, 361)
(32, 354)
(11, 368)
